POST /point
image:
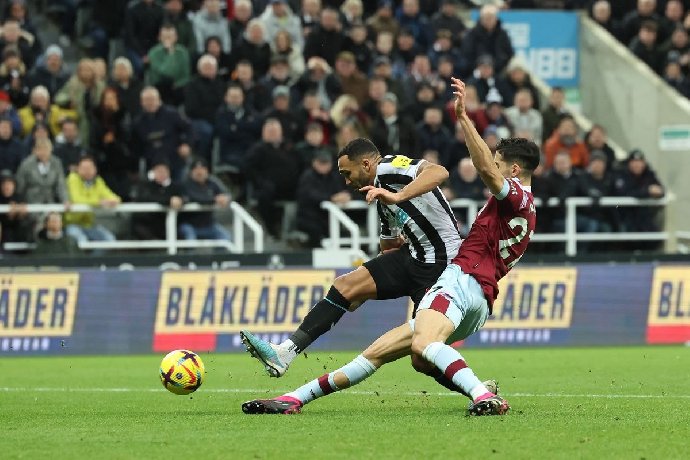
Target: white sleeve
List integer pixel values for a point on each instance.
(504, 190)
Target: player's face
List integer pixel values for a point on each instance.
(356, 174)
(507, 169)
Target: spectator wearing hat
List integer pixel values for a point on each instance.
(143, 21)
(673, 75)
(393, 133)
(351, 80)
(565, 139)
(26, 45)
(243, 13)
(203, 95)
(523, 117)
(596, 140)
(410, 17)
(11, 150)
(638, 180)
(357, 43)
(646, 46)
(321, 182)
(274, 171)
(68, 147)
(278, 16)
(8, 112)
(203, 188)
(383, 20)
(40, 178)
(85, 186)
(447, 19)
(169, 67)
(50, 73)
(51, 240)
(82, 93)
(278, 74)
(17, 224)
(254, 48)
(280, 110)
(161, 132)
(483, 78)
(554, 111)
(209, 22)
(128, 87)
(109, 143)
(175, 15)
(327, 39)
(285, 55)
(159, 188)
(237, 126)
(487, 37)
(319, 77)
(40, 110)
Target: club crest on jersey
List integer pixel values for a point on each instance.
(401, 217)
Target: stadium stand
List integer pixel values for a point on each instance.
(265, 92)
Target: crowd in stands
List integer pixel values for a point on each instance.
(173, 96)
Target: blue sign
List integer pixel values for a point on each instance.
(547, 41)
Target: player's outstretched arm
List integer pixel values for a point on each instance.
(429, 176)
(479, 152)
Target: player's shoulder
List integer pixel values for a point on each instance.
(396, 165)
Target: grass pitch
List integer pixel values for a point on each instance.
(609, 403)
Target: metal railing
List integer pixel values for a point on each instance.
(570, 236)
(241, 219)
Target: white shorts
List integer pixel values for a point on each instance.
(460, 298)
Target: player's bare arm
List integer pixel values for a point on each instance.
(429, 176)
(388, 244)
(481, 155)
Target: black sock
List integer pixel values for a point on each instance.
(444, 381)
(320, 319)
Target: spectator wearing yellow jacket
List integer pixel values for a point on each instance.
(85, 186)
(40, 109)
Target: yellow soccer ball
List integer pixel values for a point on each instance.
(182, 372)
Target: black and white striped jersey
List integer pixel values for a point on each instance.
(427, 222)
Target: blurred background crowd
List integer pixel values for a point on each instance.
(211, 101)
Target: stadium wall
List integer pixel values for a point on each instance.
(143, 311)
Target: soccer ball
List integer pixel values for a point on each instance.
(182, 372)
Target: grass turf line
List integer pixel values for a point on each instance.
(400, 415)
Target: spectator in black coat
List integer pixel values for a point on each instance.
(599, 183)
(673, 75)
(68, 146)
(110, 135)
(203, 95)
(161, 132)
(237, 126)
(393, 133)
(457, 149)
(50, 73)
(12, 151)
(638, 180)
(292, 128)
(214, 47)
(319, 77)
(464, 182)
(357, 42)
(645, 46)
(127, 85)
(326, 40)
(516, 78)
(553, 112)
(410, 17)
(143, 21)
(483, 78)
(487, 37)
(253, 48)
(278, 74)
(274, 171)
(107, 22)
(238, 24)
(632, 22)
(596, 140)
(175, 15)
(17, 224)
(319, 183)
(158, 189)
(206, 189)
(312, 145)
(600, 12)
(255, 94)
(432, 134)
(26, 44)
(447, 19)
(678, 49)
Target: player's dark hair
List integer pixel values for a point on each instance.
(358, 148)
(521, 151)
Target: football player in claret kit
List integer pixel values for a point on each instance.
(419, 236)
(460, 302)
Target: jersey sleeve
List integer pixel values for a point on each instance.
(397, 170)
(389, 227)
(511, 195)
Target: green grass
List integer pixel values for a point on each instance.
(395, 414)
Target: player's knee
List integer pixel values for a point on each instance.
(422, 365)
(418, 346)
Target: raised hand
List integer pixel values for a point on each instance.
(459, 91)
